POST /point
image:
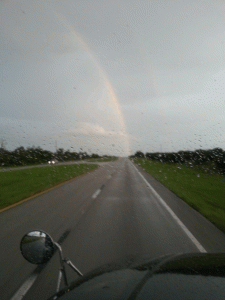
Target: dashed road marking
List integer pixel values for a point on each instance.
(96, 193)
(25, 287)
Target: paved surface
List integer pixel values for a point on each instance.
(117, 212)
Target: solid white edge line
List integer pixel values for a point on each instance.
(179, 222)
(95, 195)
(24, 287)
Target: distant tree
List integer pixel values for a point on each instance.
(59, 154)
(139, 154)
(95, 155)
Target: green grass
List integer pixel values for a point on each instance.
(104, 159)
(21, 166)
(204, 192)
(19, 184)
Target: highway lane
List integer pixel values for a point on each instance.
(54, 211)
(111, 214)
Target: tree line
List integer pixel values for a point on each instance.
(36, 155)
(197, 157)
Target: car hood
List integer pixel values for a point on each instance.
(186, 276)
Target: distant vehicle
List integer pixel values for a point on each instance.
(53, 161)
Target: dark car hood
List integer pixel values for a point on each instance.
(186, 276)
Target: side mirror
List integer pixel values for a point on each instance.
(37, 247)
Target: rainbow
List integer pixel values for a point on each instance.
(103, 76)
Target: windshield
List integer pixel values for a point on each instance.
(111, 132)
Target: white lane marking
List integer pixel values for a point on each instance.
(25, 287)
(181, 224)
(95, 195)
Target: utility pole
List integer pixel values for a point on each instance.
(3, 143)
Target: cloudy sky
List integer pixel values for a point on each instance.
(112, 77)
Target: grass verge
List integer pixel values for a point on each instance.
(204, 192)
(20, 184)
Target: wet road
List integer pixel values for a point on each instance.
(115, 213)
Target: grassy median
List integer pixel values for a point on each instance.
(102, 159)
(19, 184)
(204, 192)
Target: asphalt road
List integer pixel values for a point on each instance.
(115, 213)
